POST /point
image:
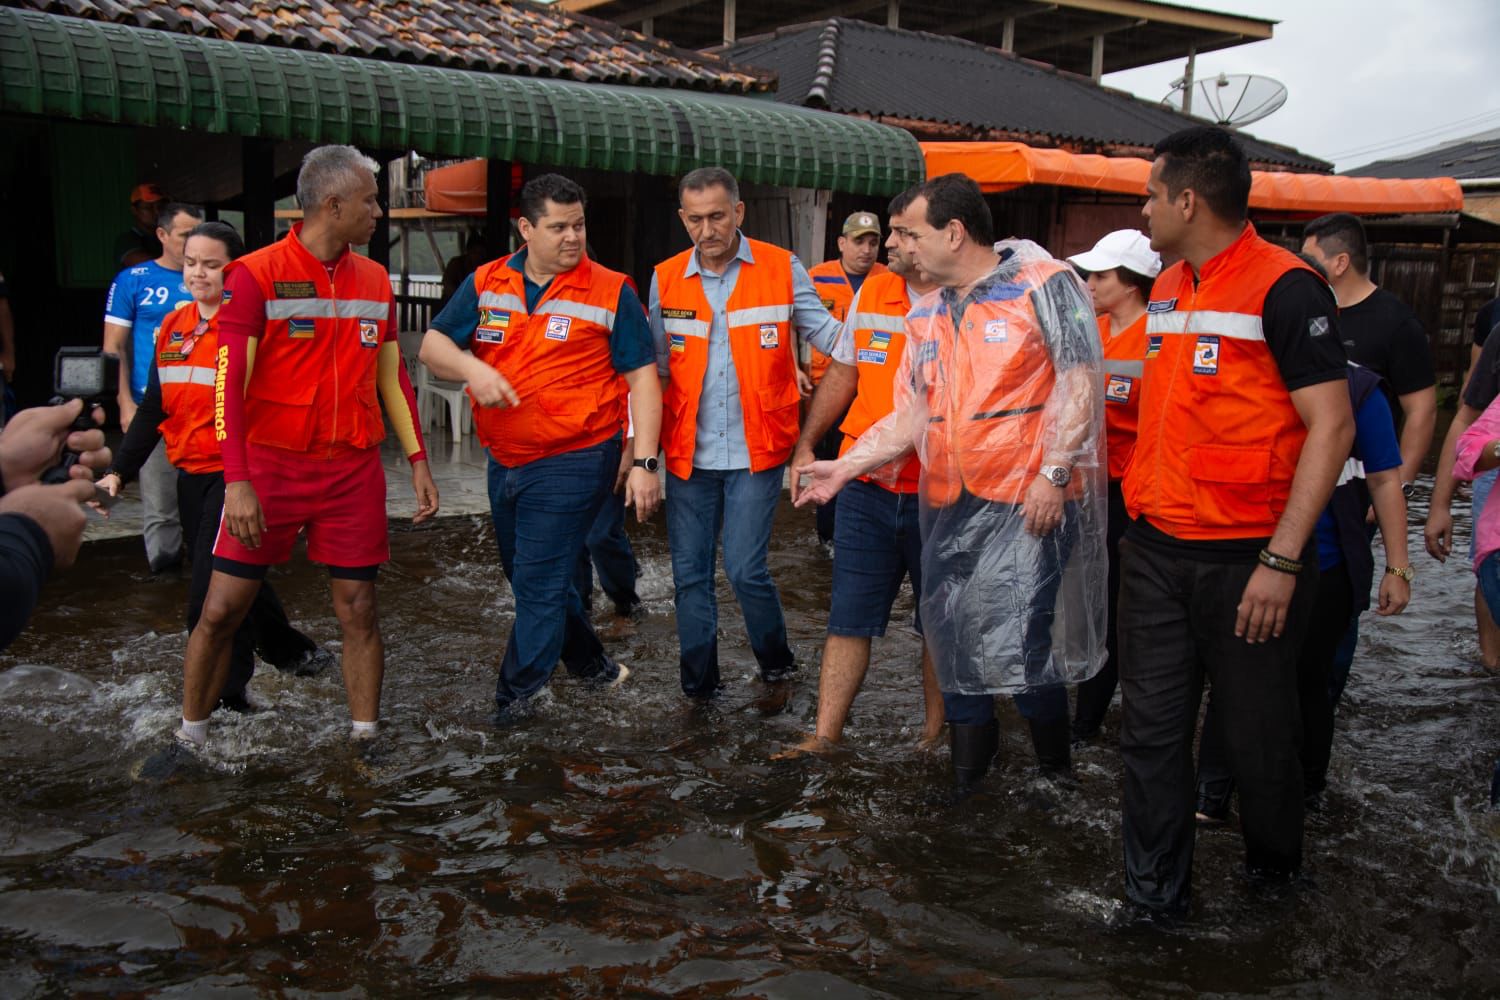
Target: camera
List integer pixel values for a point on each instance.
(85, 373)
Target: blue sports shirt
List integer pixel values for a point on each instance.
(140, 297)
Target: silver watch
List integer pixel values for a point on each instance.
(1057, 475)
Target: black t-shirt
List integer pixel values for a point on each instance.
(1485, 320)
(1300, 319)
(1484, 383)
(1381, 333)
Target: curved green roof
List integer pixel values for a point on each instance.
(66, 67)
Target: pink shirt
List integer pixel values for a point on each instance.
(1470, 447)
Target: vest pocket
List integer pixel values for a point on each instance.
(779, 405)
(280, 413)
(370, 424)
(1231, 485)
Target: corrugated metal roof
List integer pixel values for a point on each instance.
(859, 68)
(500, 36)
(65, 67)
(1473, 157)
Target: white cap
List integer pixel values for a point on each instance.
(1127, 248)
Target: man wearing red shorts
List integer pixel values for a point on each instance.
(307, 342)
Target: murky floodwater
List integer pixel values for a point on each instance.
(622, 842)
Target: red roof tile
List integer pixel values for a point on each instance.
(510, 36)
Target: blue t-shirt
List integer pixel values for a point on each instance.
(1375, 445)
(630, 345)
(140, 297)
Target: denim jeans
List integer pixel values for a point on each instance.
(608, 551)
(877, 544)
(542, 512)
(739, 504)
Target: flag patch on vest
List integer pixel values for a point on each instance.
(497, 319)
(1161, 305)
(1206, 356)
(679, 343)
(557, 327)
(1153, 344)
(995, 331)
(880, 340)
(1117, 389)
(176, 337)
(300, 329)
(678, 314)
(770, 337)
(369, 333)
(294, 289)
(871, 357)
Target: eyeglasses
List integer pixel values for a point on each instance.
(191, 340)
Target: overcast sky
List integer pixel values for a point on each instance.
(1404, 76)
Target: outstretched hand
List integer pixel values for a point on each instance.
(828, 477)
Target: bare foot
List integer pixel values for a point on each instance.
(811, 743)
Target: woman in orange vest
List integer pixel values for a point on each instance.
(179, 406)
(1120, 270)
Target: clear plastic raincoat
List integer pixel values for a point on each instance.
(994, 385)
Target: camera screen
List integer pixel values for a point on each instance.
(80, 376)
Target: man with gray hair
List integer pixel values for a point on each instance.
(725, 316)
(307, 341)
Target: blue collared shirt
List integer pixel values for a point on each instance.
(720, 440)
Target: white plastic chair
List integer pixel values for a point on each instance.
(431, 391)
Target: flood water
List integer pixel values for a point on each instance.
(624, 843)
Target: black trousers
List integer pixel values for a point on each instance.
(1176, 628)
(1095, 694)
(1325, 631)
(200, 505)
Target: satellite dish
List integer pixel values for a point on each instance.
(1231, 99)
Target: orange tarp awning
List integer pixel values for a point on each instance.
(1002, 166)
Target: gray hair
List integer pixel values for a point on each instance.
(326, 171)
(706, 177)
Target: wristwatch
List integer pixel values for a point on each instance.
(1405, 572)
(649, 464)
(1407, 489)
(1057, 475)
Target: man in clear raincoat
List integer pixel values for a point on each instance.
(999, 394)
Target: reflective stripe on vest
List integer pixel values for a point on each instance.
(318, 308)
(177, 374)
(877, 321)
(877, 326)
(187, 390)
(1240, 326)
(1131, 369)
(758, 314)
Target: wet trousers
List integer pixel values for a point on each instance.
(608, 551)
(1096, 693)
(1176, 627)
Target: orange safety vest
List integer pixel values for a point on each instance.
(313, 387)
(759, 317)
(837, 292)
(986, 387)
(879, 331)
(1124, 365)
(186, 364)
(556, 358)
(1219, 438)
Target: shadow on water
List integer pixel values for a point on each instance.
(624, 842)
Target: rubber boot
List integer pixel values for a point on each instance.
(1053, 742)
(973, 749)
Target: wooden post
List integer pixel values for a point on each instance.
(1008, 35)
(729, 20)
(893, 13)
(648, 27)
(258, 188)
(1187, 82)
(1096, 68)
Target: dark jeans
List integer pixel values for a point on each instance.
(826, 448)
(200, 506)
(878, 543)
(1176, 627)
(1044, 702)
(740, 505)
(608, 550)
(1096, 693)
(542, 512)
(1326, 629)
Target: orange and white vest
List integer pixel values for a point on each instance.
(556, 357)
(1218, 439)
(759, 317)
(1124, 367)
(837, 293)
(186, 363)
(879, 332)
(313, 386)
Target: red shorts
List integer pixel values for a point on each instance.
(340, 502)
